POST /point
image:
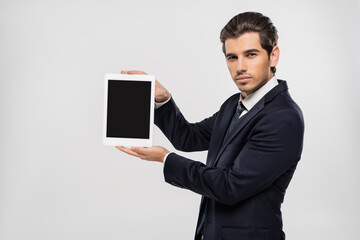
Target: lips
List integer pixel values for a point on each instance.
(243, 79)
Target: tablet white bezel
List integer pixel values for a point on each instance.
(128, 142)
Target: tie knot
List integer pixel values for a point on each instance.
(240, 108)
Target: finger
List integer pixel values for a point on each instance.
(125, 150)
(140, 150)
(128, 151)
(136, 72)
(123, 72)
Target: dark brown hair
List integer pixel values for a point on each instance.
(251, 22)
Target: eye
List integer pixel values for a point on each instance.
(231, 57)
(251, 55)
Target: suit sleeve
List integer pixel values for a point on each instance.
(183, 135)
(273, 147)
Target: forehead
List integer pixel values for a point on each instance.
(246, 41)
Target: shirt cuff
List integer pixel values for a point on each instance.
(158, 105)
(165, 157)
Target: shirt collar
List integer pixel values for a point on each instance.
(253, 98)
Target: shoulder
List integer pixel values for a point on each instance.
(278, 101)
(231, 100)
(283, 112)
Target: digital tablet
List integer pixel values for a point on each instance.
(129, 110)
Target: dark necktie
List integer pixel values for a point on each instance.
(240, 108)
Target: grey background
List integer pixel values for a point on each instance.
(57, 180)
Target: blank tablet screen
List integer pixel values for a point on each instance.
(128, 109)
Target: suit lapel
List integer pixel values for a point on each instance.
(224, 122)
(239, 125)
(246, 118)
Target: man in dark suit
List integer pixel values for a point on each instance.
(254, 141)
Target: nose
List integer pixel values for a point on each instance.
(241, 65)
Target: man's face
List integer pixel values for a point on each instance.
(249, 64)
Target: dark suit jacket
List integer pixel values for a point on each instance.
(245, 177)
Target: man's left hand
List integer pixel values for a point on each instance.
(155, 153)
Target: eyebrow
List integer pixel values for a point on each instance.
(230, 55)
(245, 52)
(251, 51)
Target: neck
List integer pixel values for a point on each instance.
(244, 94)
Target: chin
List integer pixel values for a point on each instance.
(243, 88)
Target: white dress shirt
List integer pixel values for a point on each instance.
(249, 102)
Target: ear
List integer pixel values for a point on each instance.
(274, 56)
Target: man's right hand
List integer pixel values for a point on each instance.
(161, 94)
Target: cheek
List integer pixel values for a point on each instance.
(232, 68)
(261, 68)
(229, 66)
